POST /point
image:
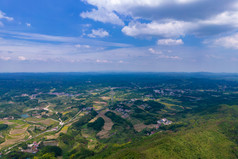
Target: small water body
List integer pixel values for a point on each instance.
(24, 115)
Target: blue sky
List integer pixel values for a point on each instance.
(118, 35)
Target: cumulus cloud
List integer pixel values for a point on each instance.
(165, 29)
(129, 6)
(98, 33)
(169, 18)
(228, 17)
(227, 41)
(102, 15)
(158, 9)
(168, 28)
(170, 42)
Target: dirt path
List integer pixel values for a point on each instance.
(104, 133)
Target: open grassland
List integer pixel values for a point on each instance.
(46, 122)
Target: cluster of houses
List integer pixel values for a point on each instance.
(64, 94)
(170, 92)
(32, 148)
(8, 118)
(87, 109)
(123, 111)
(164, 121)
(145, 106)
(159, 123)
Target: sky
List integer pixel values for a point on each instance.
(119, 36)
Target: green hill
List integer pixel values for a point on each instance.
(207, 136)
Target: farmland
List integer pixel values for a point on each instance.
(108, 116)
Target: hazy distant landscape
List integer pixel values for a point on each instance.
(119, 115)
(119, 79)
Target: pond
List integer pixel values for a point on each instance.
(24, 115)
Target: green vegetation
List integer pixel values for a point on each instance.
(51, 150)
(200, 139)
(151, 115)
(3, 126)
(84, 120)
(97, 125)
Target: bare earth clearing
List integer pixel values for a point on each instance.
(104, 133)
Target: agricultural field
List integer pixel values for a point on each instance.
(103, 116)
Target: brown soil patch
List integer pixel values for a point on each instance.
(99, 102)
(17, 131)
(106, 98)
(104, 133)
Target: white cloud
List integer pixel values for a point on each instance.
(103, 15)
(225, 18)
(41, 37)
(166, 29)
(186, 1)
(28, 24)
(21, 58)
(125, 6)
(168, 18)
(64, 48)
(60, 39)
(170, 42)
(170, 57)
(227, 41)
(82, 46)
(153, 51)
(3, 16)
(98, 33)
(102, 61)
(5, 58)
(161, 55)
